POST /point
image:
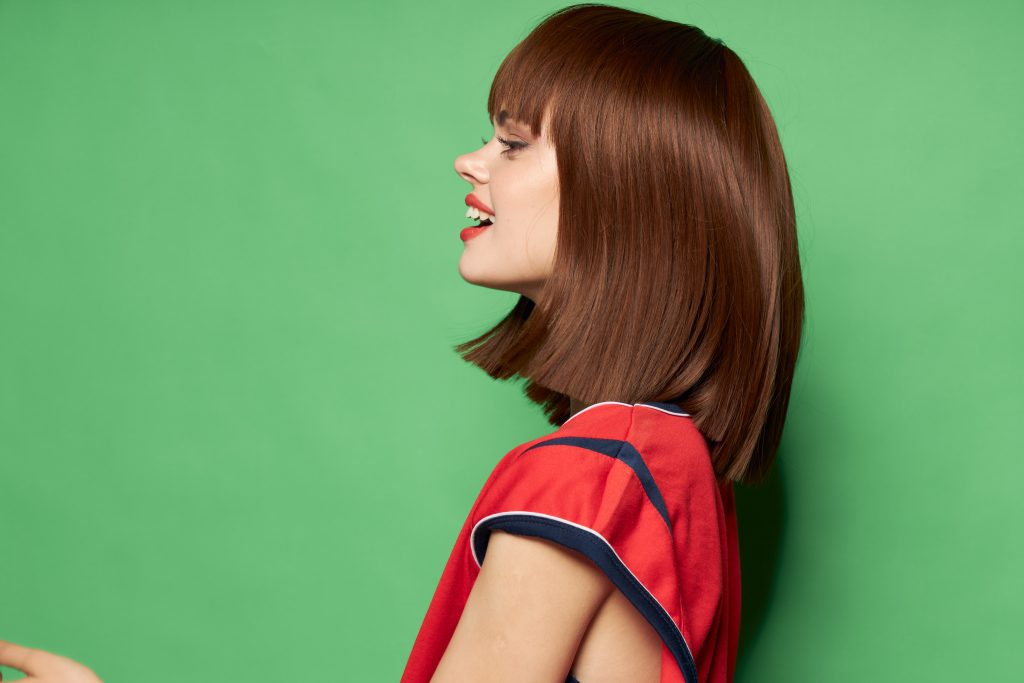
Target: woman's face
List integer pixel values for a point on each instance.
(516, 176)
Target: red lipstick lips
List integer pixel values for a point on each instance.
(471, 200)
(472, 231)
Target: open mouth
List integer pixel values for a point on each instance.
(483, 224)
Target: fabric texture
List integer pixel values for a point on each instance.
(632, 488)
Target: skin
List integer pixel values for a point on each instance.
(537, 610)
(40, 666)
(520, 183)
(516, 627)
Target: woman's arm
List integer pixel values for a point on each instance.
(526, 613)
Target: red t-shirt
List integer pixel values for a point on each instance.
(631, 487)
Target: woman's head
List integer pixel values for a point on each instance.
(649, 228)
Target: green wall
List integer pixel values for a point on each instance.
(235, 441)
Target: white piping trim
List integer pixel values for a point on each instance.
(667, 412)
(620, 403)
(472, 550)
(594, 405)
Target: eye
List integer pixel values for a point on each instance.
(511, 145)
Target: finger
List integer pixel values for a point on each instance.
(16, 656)
(24, 659)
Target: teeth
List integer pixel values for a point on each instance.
(476, 213)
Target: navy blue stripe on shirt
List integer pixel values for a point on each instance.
(667, 407)
(621, 450)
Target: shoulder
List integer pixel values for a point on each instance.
(588, 486)
(609, 456)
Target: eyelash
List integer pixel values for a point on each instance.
(513, 145)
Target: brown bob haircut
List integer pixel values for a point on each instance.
(676, 274)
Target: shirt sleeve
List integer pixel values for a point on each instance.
(597, 497)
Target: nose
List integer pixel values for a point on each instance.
(472, 168)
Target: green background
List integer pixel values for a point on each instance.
(235, 441)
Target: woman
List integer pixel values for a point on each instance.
(636, 196)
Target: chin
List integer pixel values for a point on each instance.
(482, 280)
(475, 272)
(469, 273)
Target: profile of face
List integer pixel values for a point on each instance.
(515, 176)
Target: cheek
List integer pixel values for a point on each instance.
(541, 243)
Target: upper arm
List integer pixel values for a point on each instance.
(526, 613)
